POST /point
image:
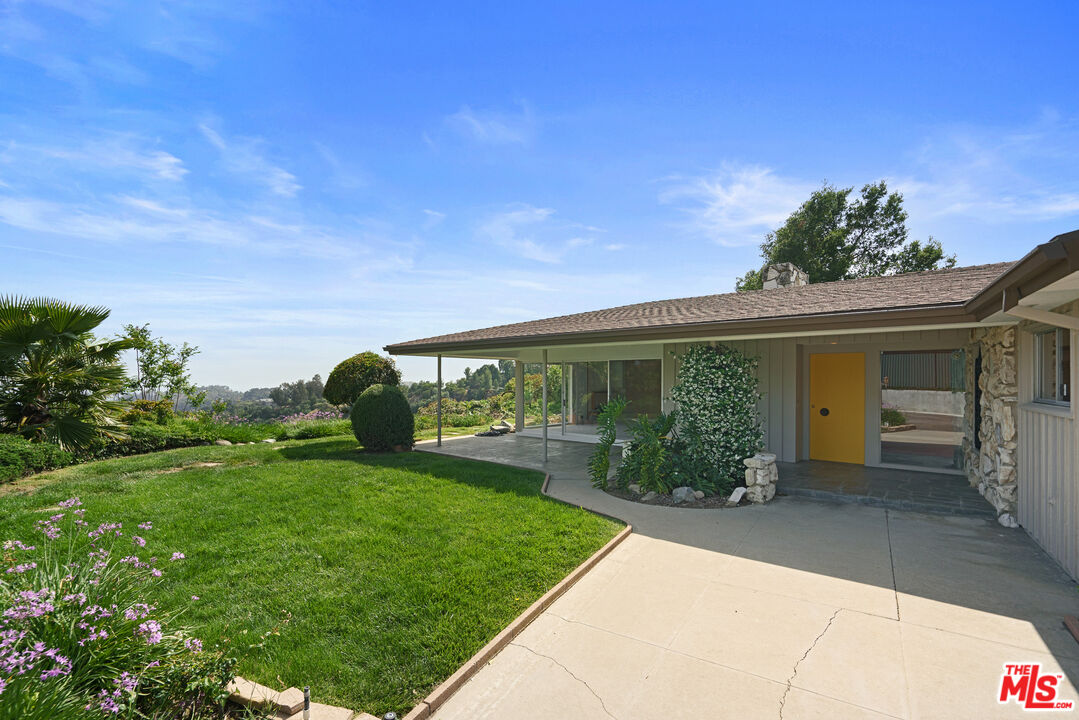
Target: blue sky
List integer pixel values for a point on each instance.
(285, 184)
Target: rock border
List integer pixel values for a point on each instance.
(453, 683)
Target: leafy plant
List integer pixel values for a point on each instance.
(81, 637)
(19, 456)
(57, 383)
(892, 417)
(648, 460)
(158, 411)
(717, 394)
(599, 464)
(161, 368)
(382, 419)
(353, 376)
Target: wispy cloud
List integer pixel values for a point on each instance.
(996, 174)
(529, 231)
(737, 204)
(116, 152)
(495, 128)
(244, 157)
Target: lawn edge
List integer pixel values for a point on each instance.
(453, 683)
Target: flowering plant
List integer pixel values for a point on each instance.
(718, 425)
(80, 637)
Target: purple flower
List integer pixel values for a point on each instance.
(138, 611)
(195, 597)
(138, 541)
(146, 526)
(3, 684)
(16, 545)
(178, 556)
(193, 644)
(151, 630)
(126, 682)
(73, 502)
(19, 569)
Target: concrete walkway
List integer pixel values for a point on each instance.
(797, 609)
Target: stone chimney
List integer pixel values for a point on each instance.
(784, 275)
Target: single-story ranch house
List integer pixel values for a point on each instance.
(966, 371)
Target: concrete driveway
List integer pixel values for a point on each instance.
(797, 609)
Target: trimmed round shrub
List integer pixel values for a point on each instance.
(351, 377)
(382, 419)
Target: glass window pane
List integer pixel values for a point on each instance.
(586, 391)
(1046, 352)
(922, 401)
(639, 381)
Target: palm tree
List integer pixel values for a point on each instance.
(57, 382)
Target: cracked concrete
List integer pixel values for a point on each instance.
(571, 674)
(794, 670)
(719, 614)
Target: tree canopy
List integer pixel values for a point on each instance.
(354, 375)
(57, 381)
(833, 236)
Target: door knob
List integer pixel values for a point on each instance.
(824, 412)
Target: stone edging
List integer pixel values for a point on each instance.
(453, 683)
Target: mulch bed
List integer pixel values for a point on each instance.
(709, 502)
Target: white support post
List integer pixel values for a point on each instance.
(563, 413)
(544, 405)
(438, 402)
(519, 396)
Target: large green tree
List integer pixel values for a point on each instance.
(833, 236)
(57, 382)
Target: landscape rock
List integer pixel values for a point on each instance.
(683, 495)
(736, 496)
(1008, 520)
(222, 442)
(698, 494)
(635, 488)
(649, 496)
(761, 477)
(269, 440)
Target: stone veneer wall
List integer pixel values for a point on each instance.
(992, 468)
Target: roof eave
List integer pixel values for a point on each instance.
(944, 314)
(1042, 266)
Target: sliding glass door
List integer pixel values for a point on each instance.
(922, 401)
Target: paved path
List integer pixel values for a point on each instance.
(797, 609)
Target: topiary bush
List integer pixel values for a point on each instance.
(718, 426)
(353, 376)
(382, 419)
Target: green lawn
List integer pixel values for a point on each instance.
(393, 569)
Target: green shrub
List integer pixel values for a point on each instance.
(599, 463)
(309, 429)
(648, 460)
(157, 411)
(353, 376)
(717, 399)
(83, 637)
(892, 417)
(382, 419)
(19, 456)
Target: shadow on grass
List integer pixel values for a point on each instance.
(476, 473)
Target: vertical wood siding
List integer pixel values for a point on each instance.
(1048, 484)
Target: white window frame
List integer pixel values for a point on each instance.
(1062, 374)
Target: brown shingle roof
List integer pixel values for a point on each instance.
(922, 290)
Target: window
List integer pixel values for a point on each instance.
(1052, 367)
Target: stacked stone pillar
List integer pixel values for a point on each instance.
(761, 477)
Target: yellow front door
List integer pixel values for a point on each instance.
(837, 407)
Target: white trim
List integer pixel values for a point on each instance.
(1045, 316)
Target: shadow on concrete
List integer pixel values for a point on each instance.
(935, 565)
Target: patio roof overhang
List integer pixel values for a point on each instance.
(524, 347)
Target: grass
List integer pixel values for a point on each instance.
(391, 569)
